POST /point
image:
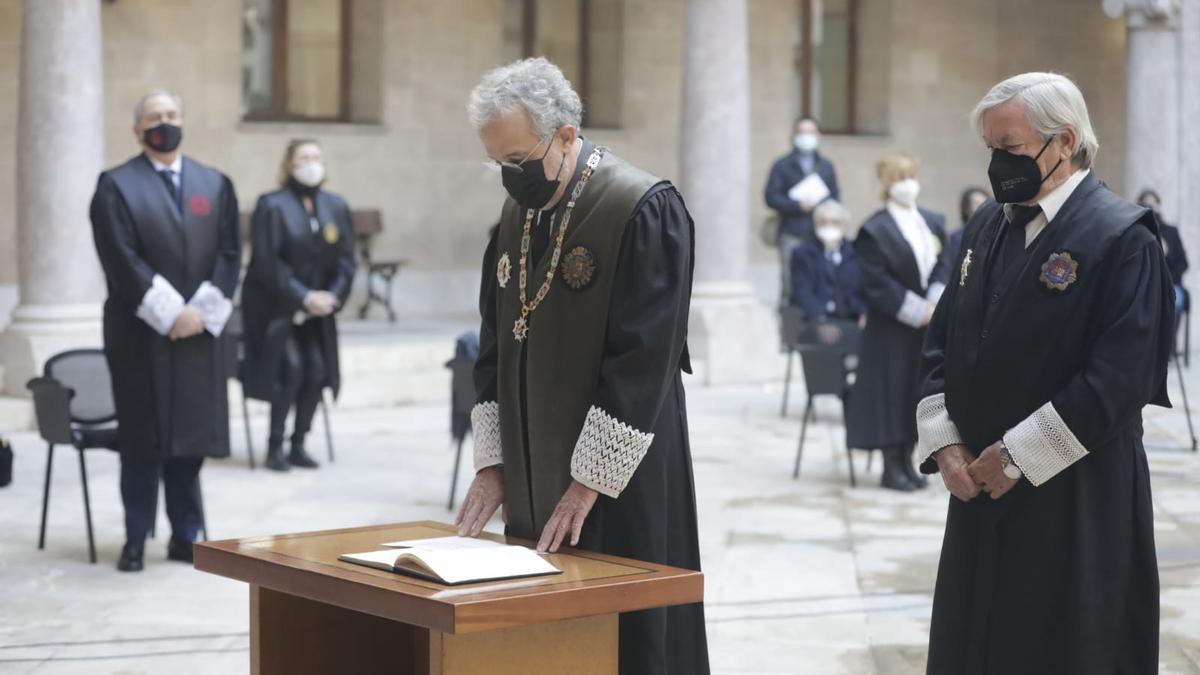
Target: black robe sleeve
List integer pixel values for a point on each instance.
(485, 415)
(343, 279)
(229, 247)
(1125, 369)
(881, 291)
(644, 343)
(267, 237)
(935, 429)
(130, 276)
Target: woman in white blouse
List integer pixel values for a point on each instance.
(899, 251)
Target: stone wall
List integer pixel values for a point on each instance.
(421, 163)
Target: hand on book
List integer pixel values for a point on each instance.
(483, 498)
(568, 516)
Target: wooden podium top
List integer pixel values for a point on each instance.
(306, 565)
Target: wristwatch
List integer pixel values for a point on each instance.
(1011, 470)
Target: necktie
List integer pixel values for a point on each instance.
(1014, 238)
(168, 177)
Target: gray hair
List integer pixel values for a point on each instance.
(832, 209)
(1052, 103)
(141, 102)
(534, 84)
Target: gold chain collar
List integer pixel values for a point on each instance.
(521, 326)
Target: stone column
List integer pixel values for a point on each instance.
(733, 337)
(60, 151)
(1189, 140)
(1152, 99)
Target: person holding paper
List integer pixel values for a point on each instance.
(580, 425)
(798, 182)
(166, 232)
(903, 274)
(299, 277)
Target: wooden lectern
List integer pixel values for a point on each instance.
(313, 614)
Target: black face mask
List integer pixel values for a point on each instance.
(163, 138)
(1017, 178)
(529, 187)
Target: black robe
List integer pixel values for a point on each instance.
(640, 384)
(288, 261)
(170, 396)
(1060, 578)
(879, 412)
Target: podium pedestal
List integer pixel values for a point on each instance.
(311, 613)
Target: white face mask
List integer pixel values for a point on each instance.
(904, 192)
(830, 235)
(805, 142)
(309, 174)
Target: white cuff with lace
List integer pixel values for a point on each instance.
(913, 311)
(161, 305)
(213, 306)
(1042, 445)
(935, 429)
(607, 453)
(485, 430)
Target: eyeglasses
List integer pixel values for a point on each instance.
(497, 166)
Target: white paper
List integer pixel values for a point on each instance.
(445, 543)
(461, 565)
(810, 191)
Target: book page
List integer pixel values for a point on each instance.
(465, 565)
(445, 543)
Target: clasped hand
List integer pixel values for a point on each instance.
(966, 476)
(487, 494)
(189, 323)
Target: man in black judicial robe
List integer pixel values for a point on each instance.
(1053, 334)
(580, 425)
(166, 232)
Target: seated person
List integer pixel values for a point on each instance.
(824, 271)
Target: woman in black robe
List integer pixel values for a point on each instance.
(300, 274)
(903, 275)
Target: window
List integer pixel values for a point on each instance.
(298, 56)
(583, 37)
(841, 65)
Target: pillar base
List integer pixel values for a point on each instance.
(733, 336)
(38, 332)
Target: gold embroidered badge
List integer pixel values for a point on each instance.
(503, 270)
(578, 268)
(1059, 271)
(965, 269)
(331, 233)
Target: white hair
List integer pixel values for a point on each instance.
(141, 102)
(534, 84)
(832, 209)
(1052, 104)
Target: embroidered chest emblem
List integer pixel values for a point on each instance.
(330, 232)
(966, 268)
(503, 270)
(200, 205)
(578, 268)
(1059, 271)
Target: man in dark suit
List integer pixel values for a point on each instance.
(166, 231)
(796, 215)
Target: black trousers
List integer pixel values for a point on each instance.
(303, 378)
(139, 493)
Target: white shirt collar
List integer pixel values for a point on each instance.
(1053, 202)
(176, 166)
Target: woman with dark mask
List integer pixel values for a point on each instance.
(300, 274)
(1177, 262)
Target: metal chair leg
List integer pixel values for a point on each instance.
(87, 508)
(246, 425)
(808, 412)
(1187, 410)
(870, 459)
(203, 517)
(787, 383)
(850, 463)
(454, 476)
(328, 431)
(1187, 337)
(154, 511)
(46, 497)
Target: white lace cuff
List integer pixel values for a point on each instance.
(935, 292)
(485, 429)
(1042, 445)
(607, 453)
(913, 311)
(935, 429)
(213, 306)
(160, 306)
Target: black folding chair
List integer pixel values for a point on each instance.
(236, 353)
(462, 399)
(74, 406)
(828, 355)
(791, 331)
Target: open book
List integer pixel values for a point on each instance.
(455, 560)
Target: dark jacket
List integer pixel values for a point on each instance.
(288, 261)
(818, 282)
(1177, 261)
(785, 173)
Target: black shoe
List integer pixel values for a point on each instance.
(298, 457)
(275, 459)
(894, 475)
(131, 559)
(914, 476)
(180, 551)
